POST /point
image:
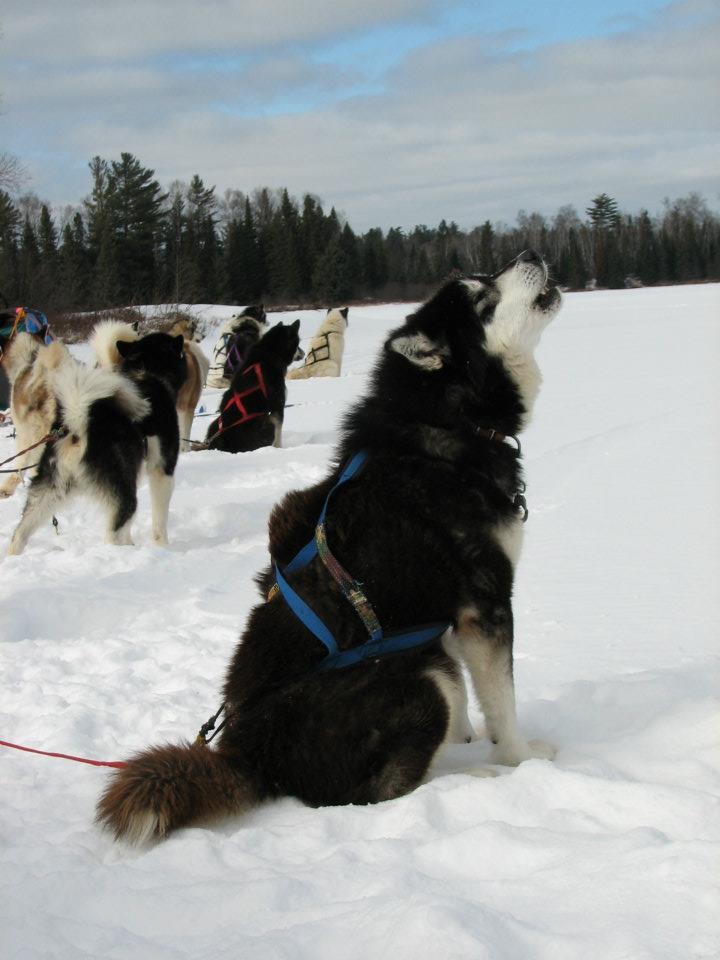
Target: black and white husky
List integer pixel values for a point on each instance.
(155, 364)
(430, 529)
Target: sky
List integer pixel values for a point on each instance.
(395, 112)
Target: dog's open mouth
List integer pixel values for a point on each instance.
(548, 297)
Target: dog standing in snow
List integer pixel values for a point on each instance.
(156, 365)
(98, 446)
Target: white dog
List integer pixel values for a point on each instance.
(324, 358)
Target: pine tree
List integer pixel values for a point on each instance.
(101, 236)
(313, 239)
(605, 221)
(73, 266)
(283, 260)
(374, 264)
(29, 261)
(648, 262)
(200, 248)
(46, 274)
(9, 252)
(486, 249)
(136, 206)
(332, 279)
(603, 214)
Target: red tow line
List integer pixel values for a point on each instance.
(65, 756)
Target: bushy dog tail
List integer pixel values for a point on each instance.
(104, 342)
(168, 787)
(77, 387)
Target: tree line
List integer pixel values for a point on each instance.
(132, 242)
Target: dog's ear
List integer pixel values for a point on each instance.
(136, 325)
(419, 349)
(344, 311)
(295, 326)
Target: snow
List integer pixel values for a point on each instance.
(610, 852)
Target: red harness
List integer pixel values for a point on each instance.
(236, 400)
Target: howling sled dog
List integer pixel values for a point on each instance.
(430, 528)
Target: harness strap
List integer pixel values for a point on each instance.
(312, 356)
(236, 400)
(234, 358)
(377, 644)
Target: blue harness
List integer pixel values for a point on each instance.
(378, 643)
(28, 321)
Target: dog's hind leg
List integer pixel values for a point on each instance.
(487, 650)
(121, 506)
(185, 420)
(161, 487)
(42, 502)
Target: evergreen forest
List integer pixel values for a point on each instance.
(133, 242)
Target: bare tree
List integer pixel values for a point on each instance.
(12, 173)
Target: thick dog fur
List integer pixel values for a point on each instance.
(324, 357)
(157, 365)
(242, 331)
(430, 527)
(273, 352)
(102, 448)
(32, 404)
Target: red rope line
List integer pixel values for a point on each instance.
(51, 437)
(65, 756)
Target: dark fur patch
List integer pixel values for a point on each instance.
(157, 365)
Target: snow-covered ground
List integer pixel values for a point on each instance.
(610, 853)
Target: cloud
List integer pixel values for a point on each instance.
(99, 30)
(464, 128)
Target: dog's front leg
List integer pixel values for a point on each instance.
(486, 647)
(277, 423)
(161, 459)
